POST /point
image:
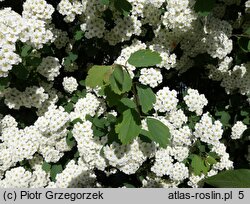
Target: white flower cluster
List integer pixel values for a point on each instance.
(238, 129)
(70, 9)
(88, 146)
(195, 101)
(164, 165)
(128, 158)
(173, 29)
(17, 144)
(166, 100)
(208, 131)
(37, 9)
(179, 15)
(49, 68)
(53, 130)
(151, 77)
(87, 106)
(69, 84)
(61, 38)
(32, 97)
(75, 176)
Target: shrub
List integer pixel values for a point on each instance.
(121, 93)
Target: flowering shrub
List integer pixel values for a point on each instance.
(124, 93)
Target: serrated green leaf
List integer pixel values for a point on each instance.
(128, 102)
(129, 127)
(244, 44)
(70, 58)
(246, 121)
(112, 98)
(123, 6)
(158, 132)
(96, 75)
(146, 97)
(210, 160)
(20, 72)
(120, 80)
(198, 165)
(70, 140)
(46, 166)
(224, 117)
(98, 132)
(79, 35)
(144, 58)
(74, 99)
(99, 122)
(69, 107)
(204, 7)
(26, 49)
(244, 113)
(33, 61)
(239, 178)
(55, 169)
(4, 82)
(76, 121)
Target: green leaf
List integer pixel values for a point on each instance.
(96, 75)
(120, 80)
(130, 126)
(224, 117)
(26, 49)
(4, 82)
(76, 121)
(99, 122)
(123, 6)
(70, 140)
(128, 102)
(46, 166)
(200, 146)
(74, 99)
(78, 35)
(144, 58)
(246, 120)
(198, 165)
(214, 155)
(20, 71)
(239, 178)
(33, 61)
(112, 98)
(146, 97)
(247, 31)
(98, 132)
(104, 2)
(204, 7)
(70, 58)
(82, 83)
(158, 132)
(111, 118)
(244, 44)
(55, 169)
(244, 113)
(210, 160)
(69, 107)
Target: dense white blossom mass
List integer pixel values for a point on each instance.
(58, 129)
